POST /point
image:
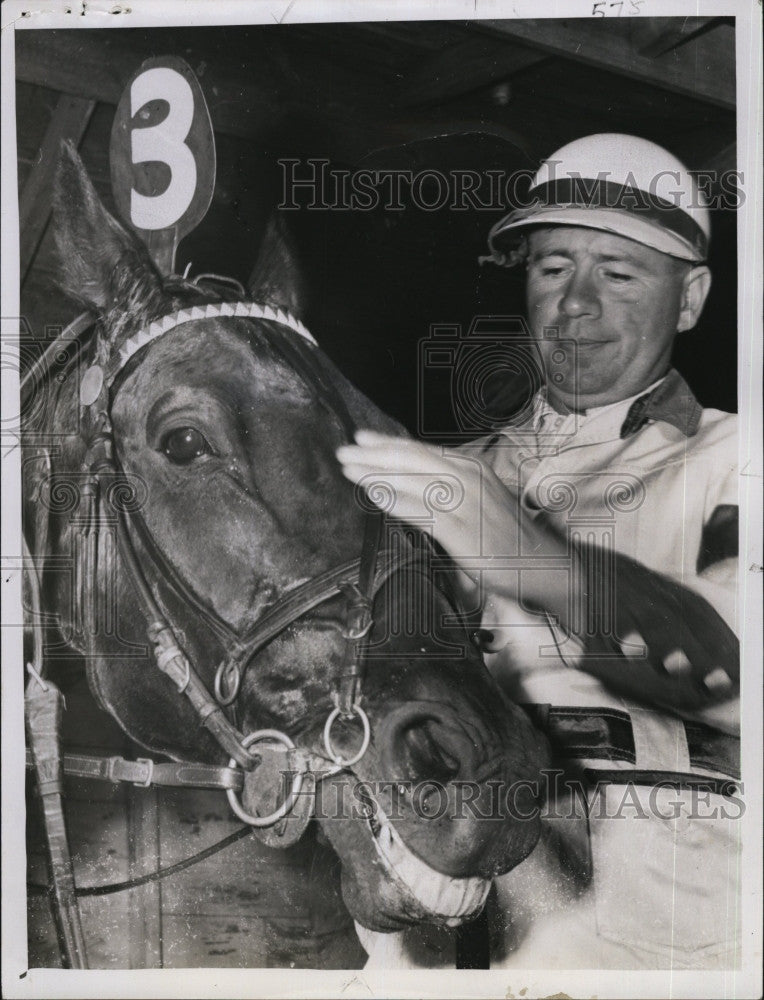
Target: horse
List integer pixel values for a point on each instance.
(208, 515)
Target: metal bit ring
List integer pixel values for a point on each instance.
(289, 802)
(333, 755)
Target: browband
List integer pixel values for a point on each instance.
(94, 377)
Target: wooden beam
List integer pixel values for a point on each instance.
(418, 36)
(703, 69)
(69, 121)
(243, 108)
(281, 74)
(97, 70)
(463, 67)
(655, 35)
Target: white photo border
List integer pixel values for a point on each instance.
(17, 980)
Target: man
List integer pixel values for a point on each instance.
(619, 494)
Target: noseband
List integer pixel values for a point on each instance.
(358, 580)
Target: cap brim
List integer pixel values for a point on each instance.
(508, 230)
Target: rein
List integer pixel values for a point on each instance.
(110, 888)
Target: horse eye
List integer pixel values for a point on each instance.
(185, 444)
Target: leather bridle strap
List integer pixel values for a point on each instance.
(360, 619)
(295, 605)
(145, 772)
(372, 574)
(173, 662)
(44, 705)
(169, 657)
(109, 888)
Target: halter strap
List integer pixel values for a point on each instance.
(359, 579)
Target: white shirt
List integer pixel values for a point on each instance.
(649, 496)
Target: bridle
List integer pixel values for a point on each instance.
(358, 580)
(169, 657)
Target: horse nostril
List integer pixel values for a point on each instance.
(423, 755)
(428, 741)
(483, 639)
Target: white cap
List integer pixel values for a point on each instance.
(619, 184)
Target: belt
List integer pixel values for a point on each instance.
(606, 734)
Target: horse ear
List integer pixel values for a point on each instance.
(102, 265)
(276, 278)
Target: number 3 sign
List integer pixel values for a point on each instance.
(162, 156)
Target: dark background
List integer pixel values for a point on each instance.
(412, 96)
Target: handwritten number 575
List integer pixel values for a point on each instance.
(602, 7)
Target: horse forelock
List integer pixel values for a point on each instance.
(136, 306)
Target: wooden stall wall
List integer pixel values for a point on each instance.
(249, 906)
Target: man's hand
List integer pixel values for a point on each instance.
(471, 512)
(678, 651)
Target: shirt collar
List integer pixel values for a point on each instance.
(669, 399)
(672, 401)
(544, 416)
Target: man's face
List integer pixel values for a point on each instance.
(619, 301)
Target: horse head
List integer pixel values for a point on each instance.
(220, 419)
